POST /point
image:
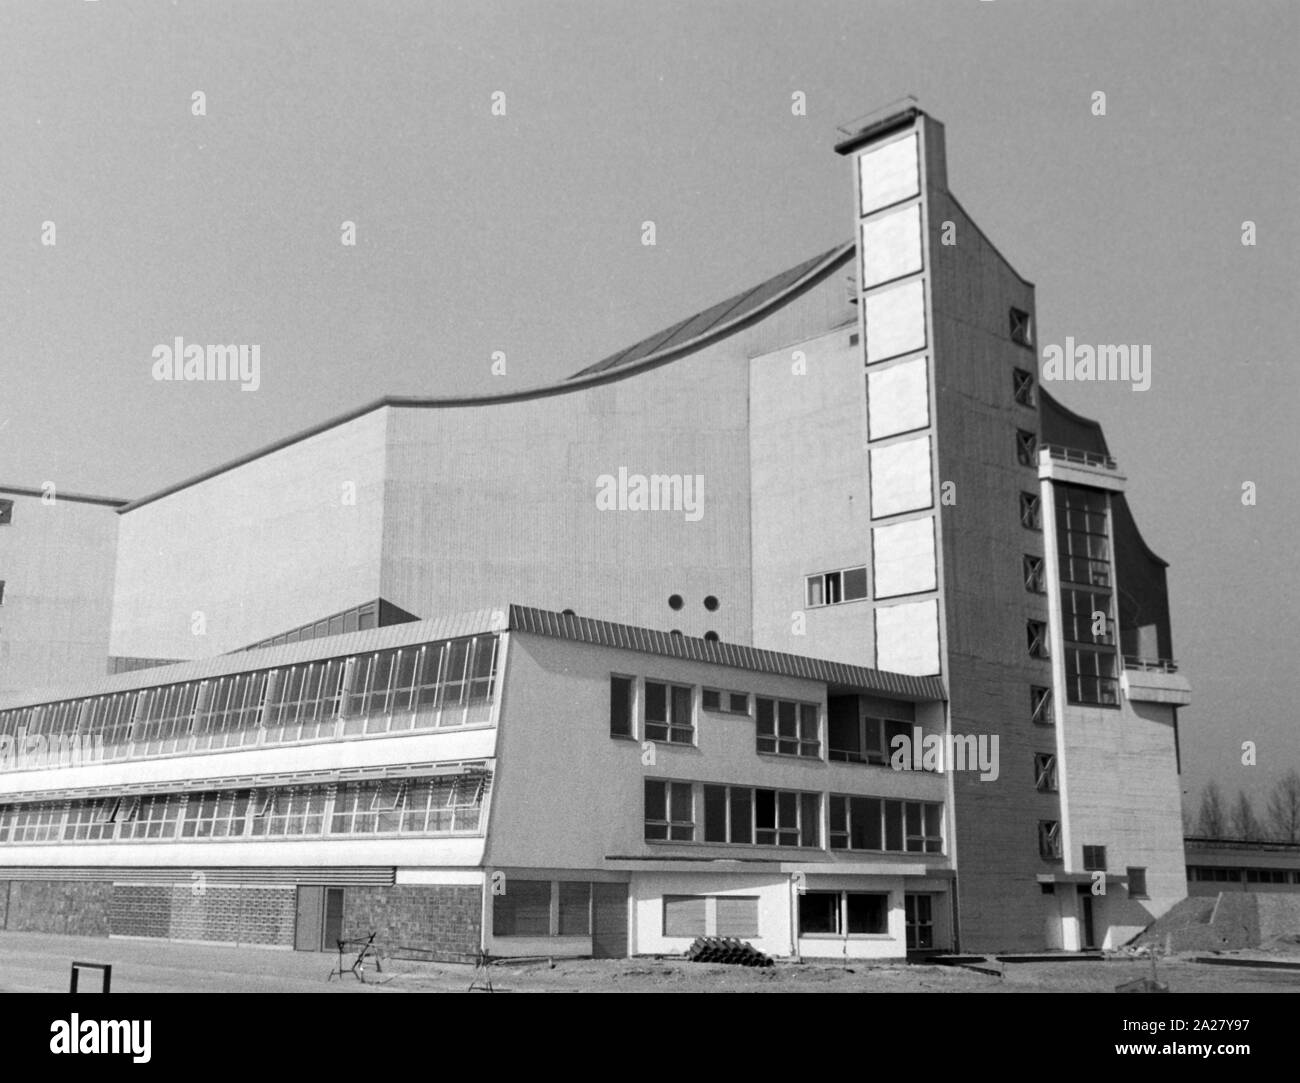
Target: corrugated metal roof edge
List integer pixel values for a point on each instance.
(738, 656)
(522, 618)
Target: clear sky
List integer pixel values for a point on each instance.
(478, 233)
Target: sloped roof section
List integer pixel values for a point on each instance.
(738, 656)
(723, 315)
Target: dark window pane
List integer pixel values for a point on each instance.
(894, 826)
(656, 702)
(524, 910)
(855, 584)
(742, 828)
(575, 908)
(819, 912)
(715, 814)
(867, 913)
(655, 801)
(620, 706)
(809, 820)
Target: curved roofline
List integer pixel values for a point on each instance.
(1137, 530)
(75, 498)
(1087, 422)
(832, 262)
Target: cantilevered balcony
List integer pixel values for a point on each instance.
(1155, 680)
(1077, 467)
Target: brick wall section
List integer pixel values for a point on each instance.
(243, 915)
(47, 906)
(444, 919)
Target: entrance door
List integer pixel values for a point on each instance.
(307, 928)
(1089, 933)
(609, 921)
(333, 930)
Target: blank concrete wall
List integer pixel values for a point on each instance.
(56, 560)
(275, 543)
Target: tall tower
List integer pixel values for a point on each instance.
(988, 503)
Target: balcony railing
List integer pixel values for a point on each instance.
(1084, 458)
(1150, 665)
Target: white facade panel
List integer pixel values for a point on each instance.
(895, 321)
(898, 399)
(888, 174)
(907, 638)
(904, 558)
(891, 246)
(900, 478)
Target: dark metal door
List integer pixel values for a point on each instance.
(333, 918)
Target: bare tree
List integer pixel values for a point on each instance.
(1245, 825)
(1212, 823)
(1284, 808)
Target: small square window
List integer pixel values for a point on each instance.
(855, 584)
(1049, 839)
(738, 703)
(1036, 638)
(1045, 772)
(1023, 386)
(1094, 858)
(1031, 511)
(1137, 882)
(1026, 447)
(6, 512)
(711, 699)
(1033, 568)
(1022, 330)
(1040, 705)
(2, 592)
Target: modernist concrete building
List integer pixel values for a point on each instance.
(853, 463)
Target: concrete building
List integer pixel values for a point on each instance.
(57, 553)
(852, 462)
(1218, 865)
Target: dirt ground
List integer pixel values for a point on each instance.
(33, 962)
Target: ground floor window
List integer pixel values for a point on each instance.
(843, 913)
(711, 915)
(919, 910)
(542, 908)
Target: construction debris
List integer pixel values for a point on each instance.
(726, 949)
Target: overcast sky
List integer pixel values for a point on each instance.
(478, 233)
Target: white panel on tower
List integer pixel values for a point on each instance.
(904, 558)
(898, 399)
(900, 478)
(888, 174)
(895, 321)
(891, 246)
(907, 638)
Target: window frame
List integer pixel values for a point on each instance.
(1045, 780)
(629, 706)
(1035, 573)
(1021, 327)
(1022, 387)
(805, 747)
(685, 829)
(1026, 447)
(669, 726)
(1031, 511)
